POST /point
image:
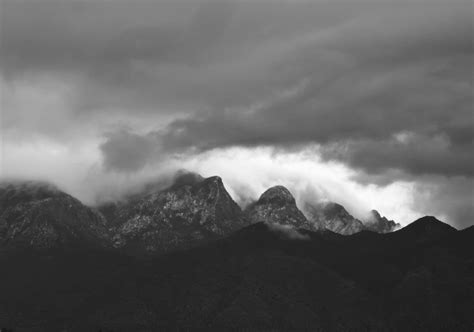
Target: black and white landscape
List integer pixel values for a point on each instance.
(234, 165)
(188, 258)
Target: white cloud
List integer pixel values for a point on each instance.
(247, 173)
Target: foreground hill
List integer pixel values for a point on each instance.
(259, 278)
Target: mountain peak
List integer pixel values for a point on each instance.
(191, 210)
(375, 214)
(430, 222)
(426, 228)
(278, 195)
(183, 178)
(277, 205)
(216, 180)
(375, 222)
(332, 216)
(332, 208)
(428, 219)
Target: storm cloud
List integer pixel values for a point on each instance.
(384, 88)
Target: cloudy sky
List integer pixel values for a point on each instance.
(367, 103)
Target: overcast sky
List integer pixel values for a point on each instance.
(368, 103)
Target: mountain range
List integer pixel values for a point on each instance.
(188, 258)
(191, 210)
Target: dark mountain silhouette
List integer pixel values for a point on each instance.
(427, 228)
(430, 225)
(192, 210)
(277, 205)
(254, 280)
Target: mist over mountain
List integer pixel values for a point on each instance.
(161, 216)
(380, 224)
(229, 165)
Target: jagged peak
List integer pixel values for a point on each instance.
(214, 179)
(374, 217)
(276, 195)
(375, 214)
(187, 178)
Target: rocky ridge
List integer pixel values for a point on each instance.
(334, 217)
(190, 211)
(376, 223)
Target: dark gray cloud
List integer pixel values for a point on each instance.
(126, 151)
(170, 56)
(414, 154)
(382, 86)
(357, 84)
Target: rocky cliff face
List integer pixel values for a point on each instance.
(35, 214)
(376, 223)
(334, 217)
(277, 205)
(191, 210)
